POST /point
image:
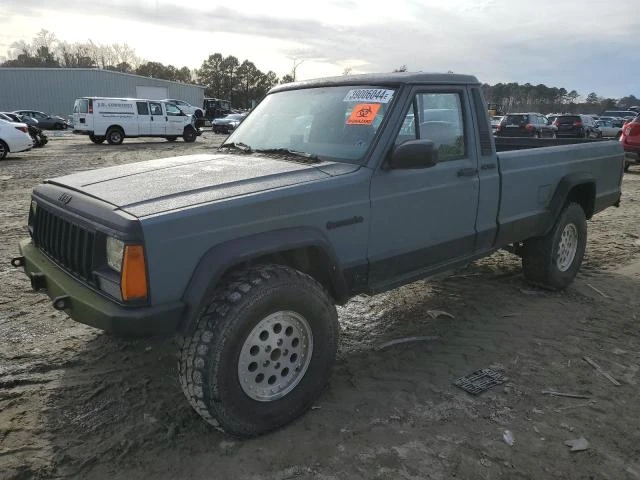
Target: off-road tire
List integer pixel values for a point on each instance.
(115, 136)
(540, 254)
(189, 135)
(211, 352)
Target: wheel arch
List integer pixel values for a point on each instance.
(575, 187)
(115, 125)
(303, 248)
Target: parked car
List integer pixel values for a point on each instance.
(610, 128)
(495, 122)
(216, 108)
(36, 134)
(630, 140)
(525, 125)
(246, 251)
(14, 138)
(626, 114)
(228, 123)
(113, 119)
(45, 121)
(577, 126)
(185, 107)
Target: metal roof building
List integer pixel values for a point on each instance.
(54, 90)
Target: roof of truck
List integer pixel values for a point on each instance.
(383, 79)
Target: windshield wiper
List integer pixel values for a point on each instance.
(287, 151)
(243, 147)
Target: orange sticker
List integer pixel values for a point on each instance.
(363, 114)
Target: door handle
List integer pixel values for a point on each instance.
(152, 119)
(487, 166)
(467, 172)
(166, 119)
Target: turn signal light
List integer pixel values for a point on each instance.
(133, 284)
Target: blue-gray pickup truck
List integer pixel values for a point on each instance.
(328, 189)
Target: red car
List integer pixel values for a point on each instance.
(630, 140)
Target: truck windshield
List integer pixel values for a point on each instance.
(327, 123)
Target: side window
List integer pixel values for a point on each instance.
(156, 108)
(172, 110)
(143, 108)
(436, 117)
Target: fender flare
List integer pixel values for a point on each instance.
(220, 258)
(564, 187)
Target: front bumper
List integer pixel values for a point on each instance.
(86, 306)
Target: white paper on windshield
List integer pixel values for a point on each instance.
(372, 95)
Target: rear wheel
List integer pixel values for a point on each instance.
(261, 351)
(96, 139)
(115, 136)
(4, 150)
(171, 139)
(552, 261)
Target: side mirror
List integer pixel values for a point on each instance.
(414, 154)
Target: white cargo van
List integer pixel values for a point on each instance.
(113, 119)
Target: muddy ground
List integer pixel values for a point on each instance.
(78, 403)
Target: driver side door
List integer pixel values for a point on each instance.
(426, 217)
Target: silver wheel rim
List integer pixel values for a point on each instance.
(567, 248)
(115, 137)
(275, 356)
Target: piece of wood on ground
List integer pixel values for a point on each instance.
(601, 371)
(439, 313)
(553, 393)
(598, 291)
(398, 341)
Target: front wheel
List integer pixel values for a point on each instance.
(261, 351)
(4, 150)
(552, 261)
(189, 135)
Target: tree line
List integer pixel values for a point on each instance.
(243, 83)
(511, 97)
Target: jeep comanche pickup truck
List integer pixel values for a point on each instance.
(328, 189)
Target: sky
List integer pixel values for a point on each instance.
(586, 45)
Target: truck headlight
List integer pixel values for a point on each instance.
(115, 251)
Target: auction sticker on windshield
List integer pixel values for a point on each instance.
(378, 95)
(363, 114)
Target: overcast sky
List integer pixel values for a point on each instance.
(587, 45)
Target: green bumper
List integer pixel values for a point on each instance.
(89, 307)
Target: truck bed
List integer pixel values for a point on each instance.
(527, 204)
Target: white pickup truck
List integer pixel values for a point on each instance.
(113, 119)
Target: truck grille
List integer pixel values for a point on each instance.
(67, 243)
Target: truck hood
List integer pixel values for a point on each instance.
(155, 186)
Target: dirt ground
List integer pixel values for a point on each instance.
(78, 403)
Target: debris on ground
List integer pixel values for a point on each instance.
(601, 371)
(439, 313)
(577, 444)
(553, 393)
(507, 436)
(398, 341)
(480, 381)
(598, 291)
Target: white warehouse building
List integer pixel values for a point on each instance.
(54, 90)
